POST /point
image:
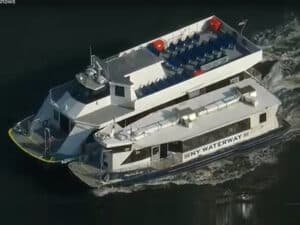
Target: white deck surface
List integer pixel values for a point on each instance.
(206, 122)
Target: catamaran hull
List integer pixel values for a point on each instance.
(269, 139)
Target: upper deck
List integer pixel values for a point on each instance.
(157, 71)
(204, 113)
(179, 56)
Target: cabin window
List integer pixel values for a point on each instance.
(137, 155)
(119, 91)
(55, 115)
(175, 146)
(234, 80)
(122, 148)
(262, 117)
(216, 135)
(85, 95)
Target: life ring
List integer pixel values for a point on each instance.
(45, 123)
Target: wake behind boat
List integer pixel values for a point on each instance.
(173, 68)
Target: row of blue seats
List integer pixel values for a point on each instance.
(222, 41)
(179, 45)
(196, 64)
(179, 62)
(164, 83)
(213, 47)
(184, 43)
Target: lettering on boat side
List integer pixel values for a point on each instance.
(215, 145)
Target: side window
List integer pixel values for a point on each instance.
(119, 91)
(55, 115)
(262, 117)
(234, 80)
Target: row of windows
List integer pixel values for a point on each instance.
(183, 146)
(204, 139)
(216, 135)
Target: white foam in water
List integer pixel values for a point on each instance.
(108, 190)
(282, 45)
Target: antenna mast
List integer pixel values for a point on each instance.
(243, 24)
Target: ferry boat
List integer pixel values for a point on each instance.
(128, 86)
(184, 136)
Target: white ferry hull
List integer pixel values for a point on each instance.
(273, 137)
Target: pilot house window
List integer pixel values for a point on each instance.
(262, 117)
(119, 91)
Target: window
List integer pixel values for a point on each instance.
(137, 155)
(122, 148)
(234, 80)
(175, 146)
(119, 91)
(262, 117)
(85, 95)
(155, 150)
(55, 115)
(215, 135)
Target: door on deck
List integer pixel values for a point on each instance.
(64, 123)
(163, 150)
(155, 152)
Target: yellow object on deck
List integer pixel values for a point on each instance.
(41, 158)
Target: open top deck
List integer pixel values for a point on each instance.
(178, 56)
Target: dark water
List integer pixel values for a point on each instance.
(41, 46)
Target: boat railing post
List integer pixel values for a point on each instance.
(32, 124)
(47, 146)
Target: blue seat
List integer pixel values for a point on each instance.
(142, 91)
(201, 61)
(188, 41)
(179, 44)
(184, 57)
(186, 74)
(194, 52)
(146, 90)
(179, 77)
(198, 66)
(174, 62)
(190, 55)
(171, 47)
(164, 84)
(151, 91)
(196, 37)
(199, 51)
(170, 80)
(218, 45)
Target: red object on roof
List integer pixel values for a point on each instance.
(197, 73)
(159, 45)
(215, 24)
